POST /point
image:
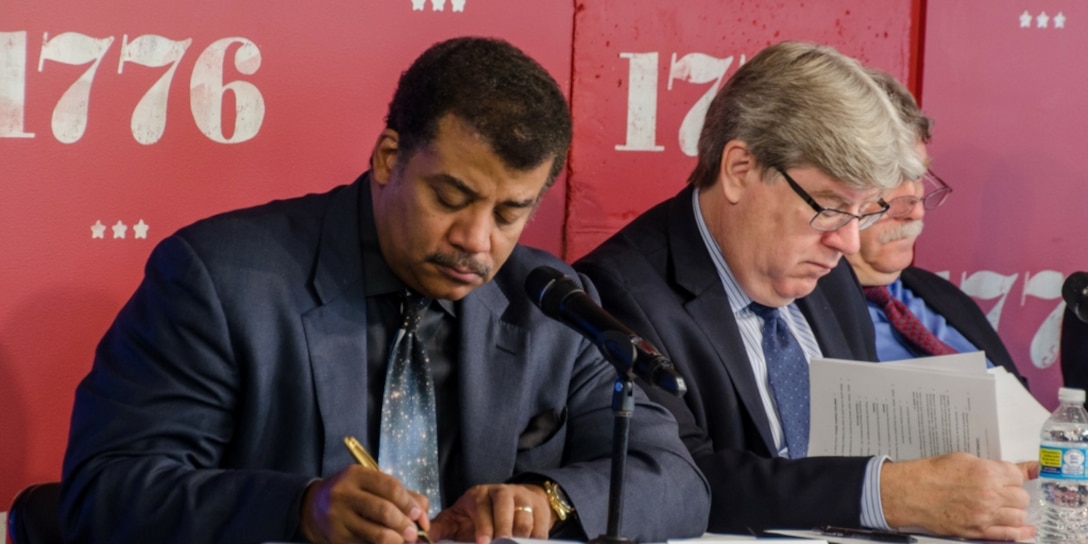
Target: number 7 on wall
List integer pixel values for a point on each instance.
(149, 117)
(70, 114)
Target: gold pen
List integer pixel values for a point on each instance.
(363, 458)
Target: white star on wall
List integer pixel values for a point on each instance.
(439, 5)
(1025, 20)
(139, 230)
(1059, 20)
(98, 230)
(119, 230)
(1042, 19)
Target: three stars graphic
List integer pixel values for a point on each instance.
(120, 229)
(1042, 20)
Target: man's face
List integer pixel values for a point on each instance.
(888, 246)
(776, 255)
(450, 215)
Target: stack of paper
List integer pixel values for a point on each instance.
(716, 538)
(921, 408)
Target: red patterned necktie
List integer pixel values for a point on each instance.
(908, 324)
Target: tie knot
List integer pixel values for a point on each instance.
(765, 312)
(878, 295)
(412, 306)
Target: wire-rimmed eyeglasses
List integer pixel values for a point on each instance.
(827, 219)
(902, 206)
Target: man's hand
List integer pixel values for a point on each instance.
(492, 511)
(361, 505)
(958, 494)
(1030, 469)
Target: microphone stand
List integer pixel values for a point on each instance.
(619, 350)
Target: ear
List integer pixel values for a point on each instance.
(736, 169)
(383, 158)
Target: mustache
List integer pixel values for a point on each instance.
(461, 261)
(909, 229)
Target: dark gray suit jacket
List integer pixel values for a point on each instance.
(656, 276)
(961, 312)
(229, 379)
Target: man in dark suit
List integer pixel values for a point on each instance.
(219, 398)
(887, 251)
(739, 280)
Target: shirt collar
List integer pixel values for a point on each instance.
(738, 299)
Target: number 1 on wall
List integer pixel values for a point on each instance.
(13, 85)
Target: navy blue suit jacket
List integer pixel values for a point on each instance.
(657, 277)
(228, 381)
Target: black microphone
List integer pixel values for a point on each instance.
(560, 298)
(1075, 293)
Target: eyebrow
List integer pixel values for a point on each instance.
(473, 195)
(840, 202)
(829, 195)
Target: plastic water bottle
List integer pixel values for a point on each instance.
(1063, 480)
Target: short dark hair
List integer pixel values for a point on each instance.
(496, 89)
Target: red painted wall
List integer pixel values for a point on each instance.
(1006, 84)
(637, 73)
(643, 78)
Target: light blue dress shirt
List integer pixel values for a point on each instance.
(891, 346)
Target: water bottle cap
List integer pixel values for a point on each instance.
(1070, 394)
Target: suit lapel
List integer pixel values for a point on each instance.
(492, 377)
(336, 330)
(336, 335)
(825, 327)
(695, 271)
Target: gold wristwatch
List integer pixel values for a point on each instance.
(558, 500)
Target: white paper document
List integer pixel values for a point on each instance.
(921, 408)
(721, 538)
(916, 538)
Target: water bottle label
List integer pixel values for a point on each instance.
(1062, 463)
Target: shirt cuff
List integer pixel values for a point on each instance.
(872, 511)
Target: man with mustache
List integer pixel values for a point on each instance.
(903, 298)
(392, 309)
(739, 280)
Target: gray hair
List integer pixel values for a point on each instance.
(904, 102)
(798, 104)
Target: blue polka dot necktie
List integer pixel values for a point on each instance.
(787, 372)
(408, 444)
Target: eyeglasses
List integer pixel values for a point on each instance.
(902, 206)
(827, 219)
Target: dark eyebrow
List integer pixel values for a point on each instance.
(527, 203)
(457, 184)
(473, 195)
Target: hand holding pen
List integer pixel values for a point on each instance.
(363, 458)
(360, 504)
